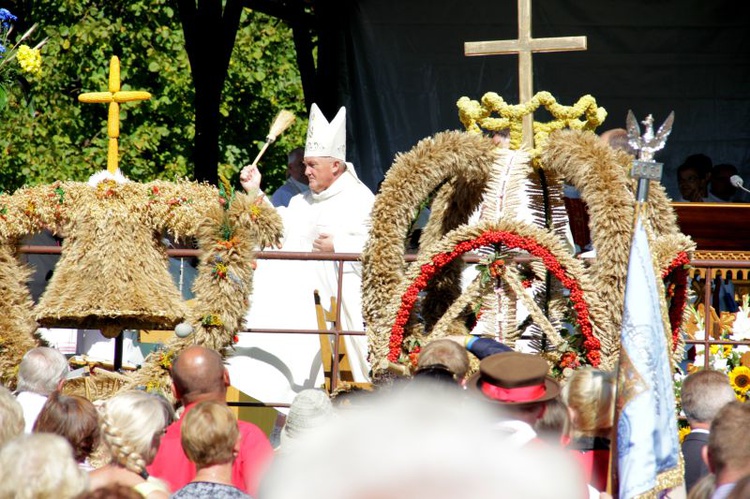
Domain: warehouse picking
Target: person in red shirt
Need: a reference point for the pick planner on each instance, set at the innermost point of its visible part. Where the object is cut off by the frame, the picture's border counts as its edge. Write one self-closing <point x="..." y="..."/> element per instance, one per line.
<point x="198" y="375"/>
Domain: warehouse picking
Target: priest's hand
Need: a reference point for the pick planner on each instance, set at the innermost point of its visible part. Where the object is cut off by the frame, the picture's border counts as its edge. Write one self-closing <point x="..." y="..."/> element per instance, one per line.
<point x="250" y="178"/>
<point x="323" y="243"/>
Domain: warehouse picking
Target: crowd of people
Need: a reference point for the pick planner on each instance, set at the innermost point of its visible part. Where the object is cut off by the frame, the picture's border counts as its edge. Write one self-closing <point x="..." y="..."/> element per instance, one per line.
<point x="440" y="433"/>
<point x="132" y="444"/>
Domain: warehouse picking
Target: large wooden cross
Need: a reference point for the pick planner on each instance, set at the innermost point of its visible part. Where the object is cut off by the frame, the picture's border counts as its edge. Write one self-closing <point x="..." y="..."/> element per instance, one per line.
<point x="524" y="46"/>
<point x="114" y="97"/>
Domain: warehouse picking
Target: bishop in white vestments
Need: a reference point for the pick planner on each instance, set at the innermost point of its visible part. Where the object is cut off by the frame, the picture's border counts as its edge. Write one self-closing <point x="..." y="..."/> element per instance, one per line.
<point x="332" y="217"/>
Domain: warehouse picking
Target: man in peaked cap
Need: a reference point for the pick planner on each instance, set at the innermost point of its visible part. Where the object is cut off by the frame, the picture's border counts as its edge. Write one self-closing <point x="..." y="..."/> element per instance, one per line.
<point x="332" y="217"/>
<point x="518" y="384"/>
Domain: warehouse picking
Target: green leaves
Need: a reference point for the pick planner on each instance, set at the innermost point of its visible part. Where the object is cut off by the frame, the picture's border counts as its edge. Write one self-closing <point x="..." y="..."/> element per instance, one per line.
<point x="66" y="140"/>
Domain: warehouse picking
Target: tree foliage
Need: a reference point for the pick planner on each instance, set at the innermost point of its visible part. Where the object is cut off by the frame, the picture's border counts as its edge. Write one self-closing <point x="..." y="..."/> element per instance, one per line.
<point x="46" y="134"/>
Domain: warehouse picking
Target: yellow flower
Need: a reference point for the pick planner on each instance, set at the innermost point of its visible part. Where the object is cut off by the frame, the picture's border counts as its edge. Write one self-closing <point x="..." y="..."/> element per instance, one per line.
<point x="255" y="211"/>
<point x="165" y="359"/>
<point x="683" y="432"/>
<point x="739" y="378"/>
<point x="29" y="59"/>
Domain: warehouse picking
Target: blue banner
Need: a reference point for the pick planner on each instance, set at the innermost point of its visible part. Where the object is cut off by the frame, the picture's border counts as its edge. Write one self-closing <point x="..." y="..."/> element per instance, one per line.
<point x="648" y="449"/>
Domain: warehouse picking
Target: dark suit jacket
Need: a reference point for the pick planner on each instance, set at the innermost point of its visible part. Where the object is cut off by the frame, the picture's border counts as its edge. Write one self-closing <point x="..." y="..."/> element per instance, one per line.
<point x="484" y="347"/>
<point x="695" y="468"/>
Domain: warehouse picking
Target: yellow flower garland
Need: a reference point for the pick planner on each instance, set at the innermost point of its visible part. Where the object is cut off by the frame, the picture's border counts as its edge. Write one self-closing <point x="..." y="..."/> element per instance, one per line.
<point x="477" y="116"/>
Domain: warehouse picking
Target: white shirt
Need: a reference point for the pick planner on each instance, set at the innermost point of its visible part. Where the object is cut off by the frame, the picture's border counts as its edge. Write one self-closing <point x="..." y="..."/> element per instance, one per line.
<point x="518" y="432"/>
<point x="722" y="491"/>
<point x="32" y="404"/>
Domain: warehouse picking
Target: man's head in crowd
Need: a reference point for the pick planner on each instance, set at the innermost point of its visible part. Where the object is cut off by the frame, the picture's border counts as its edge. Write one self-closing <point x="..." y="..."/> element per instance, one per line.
<point x="693" y="176"/>
<point x="728" y="452"/>
<point x="296" y="165"/>
<point x="703" y="394"/>
<point x="198" y="374"/>
<point x="43" y="370"/>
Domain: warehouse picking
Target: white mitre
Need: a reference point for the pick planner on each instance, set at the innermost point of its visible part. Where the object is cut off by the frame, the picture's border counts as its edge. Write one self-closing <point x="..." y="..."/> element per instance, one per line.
<point x="326" y="139"/>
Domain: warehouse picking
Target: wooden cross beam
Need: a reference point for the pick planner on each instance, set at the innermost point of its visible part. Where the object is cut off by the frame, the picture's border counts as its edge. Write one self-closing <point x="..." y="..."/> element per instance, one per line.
<point x="524" y="46"/>
<point x="114" y="97"/>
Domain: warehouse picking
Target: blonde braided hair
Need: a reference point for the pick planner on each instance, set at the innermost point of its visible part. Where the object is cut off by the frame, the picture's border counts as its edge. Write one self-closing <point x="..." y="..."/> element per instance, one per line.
<point x="132" y="423"/>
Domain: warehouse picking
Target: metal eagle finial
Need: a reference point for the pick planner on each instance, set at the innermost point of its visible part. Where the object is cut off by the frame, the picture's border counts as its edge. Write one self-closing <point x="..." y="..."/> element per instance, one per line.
<point x="648" y="143"/>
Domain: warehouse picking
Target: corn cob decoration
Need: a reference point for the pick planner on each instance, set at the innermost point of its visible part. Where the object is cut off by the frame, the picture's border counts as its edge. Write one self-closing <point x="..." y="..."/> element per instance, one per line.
<point x="113" y="97"/>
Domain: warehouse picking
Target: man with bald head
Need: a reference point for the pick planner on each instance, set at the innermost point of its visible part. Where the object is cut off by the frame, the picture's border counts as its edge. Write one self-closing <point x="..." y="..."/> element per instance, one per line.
<point x="198" y="375"/>
<point x="617" y="138"/>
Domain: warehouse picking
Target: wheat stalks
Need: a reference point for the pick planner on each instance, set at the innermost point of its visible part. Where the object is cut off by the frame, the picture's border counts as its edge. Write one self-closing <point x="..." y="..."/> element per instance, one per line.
<point x="280" y="123"/>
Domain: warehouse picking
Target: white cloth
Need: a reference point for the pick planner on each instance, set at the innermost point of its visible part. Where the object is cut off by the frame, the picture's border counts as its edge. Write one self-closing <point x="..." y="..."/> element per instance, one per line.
<point x="32" y="404"/>
<point x="63" y="339"/>
<point x="518" y="432"/>
<point x="286" y="192"/>
<point x="275" y="367"/>
<point x="97" y="347"/>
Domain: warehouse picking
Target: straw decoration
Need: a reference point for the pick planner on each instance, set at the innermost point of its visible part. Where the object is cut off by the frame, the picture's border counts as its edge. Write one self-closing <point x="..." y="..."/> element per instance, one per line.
<point x="282" y="121"/>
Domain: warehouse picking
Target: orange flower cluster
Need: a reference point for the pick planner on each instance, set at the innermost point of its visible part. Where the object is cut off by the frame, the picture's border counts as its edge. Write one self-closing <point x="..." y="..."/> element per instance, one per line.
<point x="105" y="188"/>
<point x="228" y="244"/>
<point x="496" y="269"/>
<point x="569" y="359"/>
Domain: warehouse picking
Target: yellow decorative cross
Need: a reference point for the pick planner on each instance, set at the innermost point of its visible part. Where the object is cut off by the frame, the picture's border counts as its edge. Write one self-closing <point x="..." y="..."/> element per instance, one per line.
<point x="114" y="97"/>
<point x="524" y="46"/>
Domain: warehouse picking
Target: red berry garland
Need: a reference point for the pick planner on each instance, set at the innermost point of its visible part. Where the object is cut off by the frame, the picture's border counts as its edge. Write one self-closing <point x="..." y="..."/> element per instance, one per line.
<point x="675" y="278"/>
<point x="510" y="240"/>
